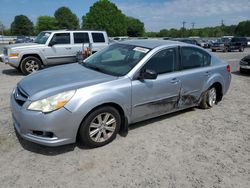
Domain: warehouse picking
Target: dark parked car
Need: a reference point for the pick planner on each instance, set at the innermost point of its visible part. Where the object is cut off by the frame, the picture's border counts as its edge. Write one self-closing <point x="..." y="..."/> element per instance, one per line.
<point x="229" y="44"/>
<point x="23" y="39"/>
<point x="245" y="64"/>
<point x="188" y="41"/>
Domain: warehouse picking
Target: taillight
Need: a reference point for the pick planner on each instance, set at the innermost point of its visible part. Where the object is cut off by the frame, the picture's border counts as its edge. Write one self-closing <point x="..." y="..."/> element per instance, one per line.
<point x="228" y="68"/>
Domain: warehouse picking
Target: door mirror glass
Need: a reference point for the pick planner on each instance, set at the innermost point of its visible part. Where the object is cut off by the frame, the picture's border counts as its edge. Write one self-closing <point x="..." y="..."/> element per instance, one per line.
<point x="52" y="42"/>
<point x="148" y="75"/>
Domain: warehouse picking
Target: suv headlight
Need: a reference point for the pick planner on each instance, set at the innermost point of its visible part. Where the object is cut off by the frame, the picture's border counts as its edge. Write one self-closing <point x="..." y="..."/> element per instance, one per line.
<point x="52" y="103"/>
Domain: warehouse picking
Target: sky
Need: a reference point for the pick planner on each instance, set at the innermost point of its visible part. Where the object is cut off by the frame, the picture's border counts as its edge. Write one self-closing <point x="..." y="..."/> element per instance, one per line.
<point x="156" y="14"/>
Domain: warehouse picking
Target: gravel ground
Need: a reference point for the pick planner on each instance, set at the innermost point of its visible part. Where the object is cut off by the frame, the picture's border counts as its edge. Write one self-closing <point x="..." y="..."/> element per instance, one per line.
<point x="192" y="148"/>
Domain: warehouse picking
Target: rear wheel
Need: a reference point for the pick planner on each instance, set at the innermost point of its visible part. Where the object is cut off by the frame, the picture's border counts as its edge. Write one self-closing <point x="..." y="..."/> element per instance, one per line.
<point x="30" y="64"/>
<point x="213" y="50"/>
<point x="209" y="98"/>
<point x="241" y="49"/>
<point x="100" y="127"/>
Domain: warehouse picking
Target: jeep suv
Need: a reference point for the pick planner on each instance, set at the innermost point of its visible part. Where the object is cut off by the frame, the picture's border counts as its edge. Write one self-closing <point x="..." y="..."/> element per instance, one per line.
<point x="229" y="44"/>
<point x="51" y="48"/>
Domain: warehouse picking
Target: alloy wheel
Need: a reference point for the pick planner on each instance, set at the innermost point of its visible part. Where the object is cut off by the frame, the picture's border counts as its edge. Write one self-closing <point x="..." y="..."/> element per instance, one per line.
<point x="102" y="127"/>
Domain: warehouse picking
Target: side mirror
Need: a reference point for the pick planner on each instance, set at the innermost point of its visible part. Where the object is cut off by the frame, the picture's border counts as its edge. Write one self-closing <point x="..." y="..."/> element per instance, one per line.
<point x="52" y="42"/>
<point x="148" y="74"/>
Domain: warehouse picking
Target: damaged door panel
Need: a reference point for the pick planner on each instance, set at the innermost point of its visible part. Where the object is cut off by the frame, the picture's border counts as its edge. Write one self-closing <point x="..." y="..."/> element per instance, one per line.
<point x="153" y="97"/>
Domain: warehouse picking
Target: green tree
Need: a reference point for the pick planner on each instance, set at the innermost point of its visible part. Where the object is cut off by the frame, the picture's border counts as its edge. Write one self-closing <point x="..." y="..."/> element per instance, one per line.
<point x="243" y="28"/>
<point x="135" y="28"/>
<point x="46" y="23"/>
<point x="66" y="19"/>
<point x="22" y="26"/>
<point x="105" y="15"/>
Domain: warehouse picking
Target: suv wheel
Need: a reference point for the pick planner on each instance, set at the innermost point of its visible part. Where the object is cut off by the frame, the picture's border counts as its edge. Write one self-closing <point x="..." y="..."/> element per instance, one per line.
<point x="100" y="127"/>
<point x="241" y="49"/>
<point x="30" y="64"/>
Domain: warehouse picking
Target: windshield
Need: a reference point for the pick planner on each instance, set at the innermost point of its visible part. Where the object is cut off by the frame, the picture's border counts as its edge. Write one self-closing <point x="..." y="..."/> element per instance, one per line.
<point x="116" y="59"/>
<point x="42" y="37"/>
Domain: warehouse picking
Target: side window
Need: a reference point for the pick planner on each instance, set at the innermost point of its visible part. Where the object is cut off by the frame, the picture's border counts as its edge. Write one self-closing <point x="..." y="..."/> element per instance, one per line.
<point x="194" y="57"/>
<point x="98" y="37"/>
<point x="163" y="62"/>
<point x="80" y="38"/>
<point x="61" y="38"/>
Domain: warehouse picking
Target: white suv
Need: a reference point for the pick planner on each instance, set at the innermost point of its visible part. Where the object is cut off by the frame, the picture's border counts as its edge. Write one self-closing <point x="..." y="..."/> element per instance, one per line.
<point x="51" y="48"/>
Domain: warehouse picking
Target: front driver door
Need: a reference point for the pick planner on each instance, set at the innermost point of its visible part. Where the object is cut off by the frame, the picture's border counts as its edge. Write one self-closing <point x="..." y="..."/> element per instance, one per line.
<point x="151" y="98"/>
<point x="61" y="51"/>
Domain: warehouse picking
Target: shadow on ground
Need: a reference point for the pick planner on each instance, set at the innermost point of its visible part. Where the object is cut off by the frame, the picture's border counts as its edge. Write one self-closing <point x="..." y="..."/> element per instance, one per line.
<point x="52" y="151"/>
<point x="12" y="72"/>
<point x="238" y="73"/>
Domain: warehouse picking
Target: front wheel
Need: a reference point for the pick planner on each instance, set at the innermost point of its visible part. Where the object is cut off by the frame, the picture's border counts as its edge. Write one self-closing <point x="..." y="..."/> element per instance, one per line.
<point x="241" y="49"/>
<point x="100" y="127"/>
<point x="209" y="98"/>
<point x="30" y="64"/>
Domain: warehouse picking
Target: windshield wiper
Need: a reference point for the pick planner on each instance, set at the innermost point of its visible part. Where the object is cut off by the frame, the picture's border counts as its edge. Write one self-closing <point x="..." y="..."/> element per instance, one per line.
<point x="98" y="69"/>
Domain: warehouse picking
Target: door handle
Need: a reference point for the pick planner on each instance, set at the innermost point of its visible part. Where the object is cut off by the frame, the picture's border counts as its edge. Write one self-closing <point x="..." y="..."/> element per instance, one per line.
<point x="175" y="81"/>
<point x="68" y="48"/>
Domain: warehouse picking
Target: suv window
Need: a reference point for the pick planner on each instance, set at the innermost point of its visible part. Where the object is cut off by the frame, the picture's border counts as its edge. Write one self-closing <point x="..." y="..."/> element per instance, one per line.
<point x="194" y="57"/>
<point x="98" y="37"/>
<point x="61" y="38"/>
<point x="163" y="62"/>
<point x="81" y="38"/>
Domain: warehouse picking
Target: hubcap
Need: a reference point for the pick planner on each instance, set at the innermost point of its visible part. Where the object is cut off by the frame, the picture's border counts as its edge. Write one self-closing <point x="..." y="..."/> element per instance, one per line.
<point x="31" y="66"/>
<point x="102" y="127"/>
<point x="211" y="97"/>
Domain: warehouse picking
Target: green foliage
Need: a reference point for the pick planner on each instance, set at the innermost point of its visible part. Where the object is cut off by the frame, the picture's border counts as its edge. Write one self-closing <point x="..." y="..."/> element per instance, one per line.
<point x="135" y="28"/>
<point x="243" y="28"/>
<point x="66" y="19"/>
<point x="22" y="26"/>
<point x="46" y="23"/>
<point x="105" y="15"/>
<point x="7" y="32"/>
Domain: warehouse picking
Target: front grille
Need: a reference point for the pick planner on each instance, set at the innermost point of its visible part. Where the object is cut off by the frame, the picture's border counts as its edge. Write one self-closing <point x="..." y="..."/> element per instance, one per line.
<point x="20" y="96"/>
<point x="5" y="51"/>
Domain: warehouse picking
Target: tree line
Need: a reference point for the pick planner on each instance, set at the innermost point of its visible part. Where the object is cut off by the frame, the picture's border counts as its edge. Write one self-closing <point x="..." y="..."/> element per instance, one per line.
<point x="105" y="15"/>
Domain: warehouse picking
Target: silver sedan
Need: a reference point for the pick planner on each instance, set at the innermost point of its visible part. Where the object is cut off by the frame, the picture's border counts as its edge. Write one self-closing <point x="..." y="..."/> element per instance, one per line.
<point x="124" y="83"/>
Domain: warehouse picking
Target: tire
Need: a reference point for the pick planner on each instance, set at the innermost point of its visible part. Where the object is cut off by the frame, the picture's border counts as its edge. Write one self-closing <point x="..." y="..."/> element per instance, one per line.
<point x="225" y="50"/>
<point x="213" y="50"/>
<point x="30" y="64"/>
<point x="209" y="98"/>
<point x="102" y="122"/>
<point x="241" y="49"/>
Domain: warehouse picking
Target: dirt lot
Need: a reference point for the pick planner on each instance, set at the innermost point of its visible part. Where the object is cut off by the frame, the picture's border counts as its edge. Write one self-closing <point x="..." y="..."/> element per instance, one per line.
<point x="192" y="148"/>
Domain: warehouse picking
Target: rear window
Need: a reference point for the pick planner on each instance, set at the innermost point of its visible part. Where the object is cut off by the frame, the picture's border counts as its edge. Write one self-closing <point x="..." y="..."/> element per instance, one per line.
<point x="81" y="38"/>
<point x="98" y="37"/>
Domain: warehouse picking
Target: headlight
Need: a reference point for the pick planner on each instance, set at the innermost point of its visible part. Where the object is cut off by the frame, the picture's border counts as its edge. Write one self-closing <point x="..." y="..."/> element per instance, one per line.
<point x="52" y="103"/>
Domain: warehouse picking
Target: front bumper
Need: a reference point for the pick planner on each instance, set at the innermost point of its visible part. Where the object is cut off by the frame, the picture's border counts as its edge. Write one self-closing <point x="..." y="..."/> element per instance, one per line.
<point x="244" y="65"/>
<point x="12" y="61"/>
<point x="217" y="47"/>
<point x="61" y="123"/>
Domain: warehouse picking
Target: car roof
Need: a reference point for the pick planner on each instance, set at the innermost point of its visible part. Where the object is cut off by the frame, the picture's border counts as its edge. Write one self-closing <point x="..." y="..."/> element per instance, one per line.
<point x="151" y="43"/>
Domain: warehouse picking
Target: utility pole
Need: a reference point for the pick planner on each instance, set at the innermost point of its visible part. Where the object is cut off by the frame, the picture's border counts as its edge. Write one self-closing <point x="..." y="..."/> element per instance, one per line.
<point x="183" y="24"/>
<point x="222" y="22"/>
<point x="193" y="23"/>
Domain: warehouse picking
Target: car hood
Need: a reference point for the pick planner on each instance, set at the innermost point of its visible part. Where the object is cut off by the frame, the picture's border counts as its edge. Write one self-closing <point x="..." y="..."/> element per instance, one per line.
<point x="24" y="45"/>
<point x="61" y="78"/>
